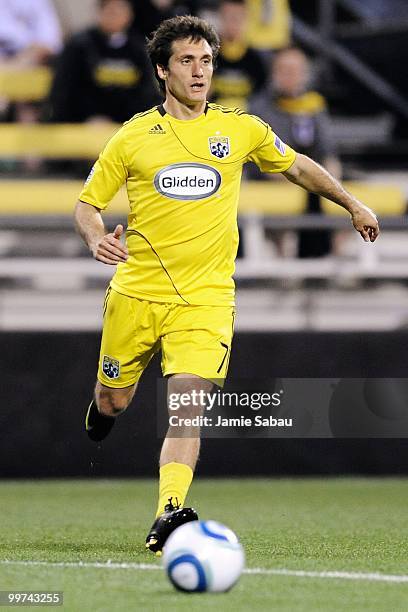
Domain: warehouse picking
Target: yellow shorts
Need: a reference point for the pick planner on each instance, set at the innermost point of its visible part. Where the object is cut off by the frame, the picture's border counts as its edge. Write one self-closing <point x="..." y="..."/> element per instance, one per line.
<point x="193" y="339"/>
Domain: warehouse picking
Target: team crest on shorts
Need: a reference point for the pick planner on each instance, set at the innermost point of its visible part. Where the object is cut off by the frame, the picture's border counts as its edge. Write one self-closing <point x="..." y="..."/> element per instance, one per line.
<point x="110" y="367"/>
<point x="219" y="146"/>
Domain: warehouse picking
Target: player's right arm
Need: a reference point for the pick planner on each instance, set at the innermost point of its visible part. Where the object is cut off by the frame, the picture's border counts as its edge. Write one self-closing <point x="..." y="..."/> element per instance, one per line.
<point x="104" y="246"/>
<point x="105" y="179"/>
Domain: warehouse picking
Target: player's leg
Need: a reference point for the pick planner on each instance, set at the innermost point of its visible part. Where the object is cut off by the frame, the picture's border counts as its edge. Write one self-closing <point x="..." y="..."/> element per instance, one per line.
<point x="178" y="459"/>
<point x="126" y="348"/>
<point x="181" y="446"/>
<point x="196" y="350"/>
<point x="107" y="404"/>
<point x="112" y="402"/>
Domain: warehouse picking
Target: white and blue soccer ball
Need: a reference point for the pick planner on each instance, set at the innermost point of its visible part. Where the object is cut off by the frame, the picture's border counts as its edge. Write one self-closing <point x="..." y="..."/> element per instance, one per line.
<point x="203" y="556"/>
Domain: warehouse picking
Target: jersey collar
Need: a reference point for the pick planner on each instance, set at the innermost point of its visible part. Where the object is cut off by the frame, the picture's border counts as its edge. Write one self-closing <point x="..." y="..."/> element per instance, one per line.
<point x="162" y="111"/>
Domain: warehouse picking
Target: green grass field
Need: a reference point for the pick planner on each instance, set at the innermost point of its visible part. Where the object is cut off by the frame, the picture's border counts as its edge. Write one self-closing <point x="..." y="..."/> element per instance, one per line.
<point x="344" y="525"/>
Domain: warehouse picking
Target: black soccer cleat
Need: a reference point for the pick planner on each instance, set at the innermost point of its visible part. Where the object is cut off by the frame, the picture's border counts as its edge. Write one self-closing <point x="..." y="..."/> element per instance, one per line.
<point x="172" y="517"/>
<point x="97" y="425"/>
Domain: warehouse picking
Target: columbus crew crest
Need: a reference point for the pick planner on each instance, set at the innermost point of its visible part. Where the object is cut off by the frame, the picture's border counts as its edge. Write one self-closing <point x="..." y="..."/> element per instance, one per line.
<point x="219" y="146"/>
<point x="110" y="367"/>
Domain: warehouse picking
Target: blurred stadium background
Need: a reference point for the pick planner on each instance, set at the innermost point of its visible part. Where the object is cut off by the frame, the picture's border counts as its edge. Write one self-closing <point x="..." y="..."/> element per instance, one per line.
<point x="338" y="313"/>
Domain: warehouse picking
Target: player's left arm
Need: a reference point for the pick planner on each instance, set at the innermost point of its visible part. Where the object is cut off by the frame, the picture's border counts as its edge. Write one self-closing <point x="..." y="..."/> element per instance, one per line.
<point x="311" y="176"/>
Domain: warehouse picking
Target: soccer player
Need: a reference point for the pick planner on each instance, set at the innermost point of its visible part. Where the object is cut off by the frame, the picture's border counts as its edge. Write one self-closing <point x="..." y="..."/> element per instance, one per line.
<point x="173" y="288"/>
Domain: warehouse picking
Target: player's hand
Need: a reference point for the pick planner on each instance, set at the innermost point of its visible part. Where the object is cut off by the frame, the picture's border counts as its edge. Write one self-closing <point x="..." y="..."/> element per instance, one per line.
<point x="365" y="222"/>
<point x="109" y="249"/>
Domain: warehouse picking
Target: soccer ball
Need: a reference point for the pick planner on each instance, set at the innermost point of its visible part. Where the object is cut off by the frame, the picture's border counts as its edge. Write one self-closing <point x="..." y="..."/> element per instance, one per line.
<point x="203" y="556"/>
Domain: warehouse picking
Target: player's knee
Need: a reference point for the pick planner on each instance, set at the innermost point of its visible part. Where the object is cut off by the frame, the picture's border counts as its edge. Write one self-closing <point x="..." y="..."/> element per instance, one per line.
<point x="189" y="386"/>
<point x="112" y="402"/>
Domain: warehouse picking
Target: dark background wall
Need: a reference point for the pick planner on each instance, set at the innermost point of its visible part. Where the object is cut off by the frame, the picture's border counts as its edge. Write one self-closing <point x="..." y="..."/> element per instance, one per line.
<point x="47" y="381"/>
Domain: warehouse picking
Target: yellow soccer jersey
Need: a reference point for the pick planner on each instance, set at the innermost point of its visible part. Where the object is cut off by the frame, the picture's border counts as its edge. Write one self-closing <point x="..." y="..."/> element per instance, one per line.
<point x="183" y="180"/>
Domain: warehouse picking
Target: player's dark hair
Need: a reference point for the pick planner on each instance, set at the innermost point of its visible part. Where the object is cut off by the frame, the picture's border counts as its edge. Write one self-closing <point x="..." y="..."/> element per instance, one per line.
<point x="159" y="47"/>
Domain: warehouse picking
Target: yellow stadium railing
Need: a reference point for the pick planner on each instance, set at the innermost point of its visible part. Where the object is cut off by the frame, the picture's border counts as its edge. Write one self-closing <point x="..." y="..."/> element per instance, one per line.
<point x="57" y="197"/>
<point x="55" y="141"/>
<point x="384" y="199"/>
<point x="25" y="84"/>
<point x="47" y="197"/>
<point x="85" y="141"/>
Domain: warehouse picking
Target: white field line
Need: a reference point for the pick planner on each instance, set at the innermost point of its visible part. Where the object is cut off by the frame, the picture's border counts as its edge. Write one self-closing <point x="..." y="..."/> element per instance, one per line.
<point x="370" y="577"/>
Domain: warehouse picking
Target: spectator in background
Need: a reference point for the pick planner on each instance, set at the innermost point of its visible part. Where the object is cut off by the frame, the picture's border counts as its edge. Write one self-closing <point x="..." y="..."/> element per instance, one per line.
<point x="269" y="24"/>
<point x="240" y="70"/>
<point x="299" y="115"/>
<point x="103" y="72"/>
<point x="30" y="35"/>
<point x="150" y="13"/>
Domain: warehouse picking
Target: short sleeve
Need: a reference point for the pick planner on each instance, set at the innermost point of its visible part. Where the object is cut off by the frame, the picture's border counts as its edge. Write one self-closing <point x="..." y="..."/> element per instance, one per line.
<point x="269" y="152"/>
<point x="108" y="174"/>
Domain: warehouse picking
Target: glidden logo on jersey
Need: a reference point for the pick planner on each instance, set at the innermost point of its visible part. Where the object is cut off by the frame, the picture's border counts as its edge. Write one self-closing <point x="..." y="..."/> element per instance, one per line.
<point x="187" y="181"/>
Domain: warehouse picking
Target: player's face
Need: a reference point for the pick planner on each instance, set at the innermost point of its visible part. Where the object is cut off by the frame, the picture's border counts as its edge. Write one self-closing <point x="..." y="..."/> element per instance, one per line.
<point x="188" y="75"/>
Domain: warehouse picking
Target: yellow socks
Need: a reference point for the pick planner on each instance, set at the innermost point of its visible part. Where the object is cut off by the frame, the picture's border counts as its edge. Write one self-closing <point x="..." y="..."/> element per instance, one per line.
<point x="175" y="480"/>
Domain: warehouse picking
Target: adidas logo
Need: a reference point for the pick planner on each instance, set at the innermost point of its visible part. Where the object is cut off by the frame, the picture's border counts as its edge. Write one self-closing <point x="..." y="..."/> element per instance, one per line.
<point x="157" y="129"/>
